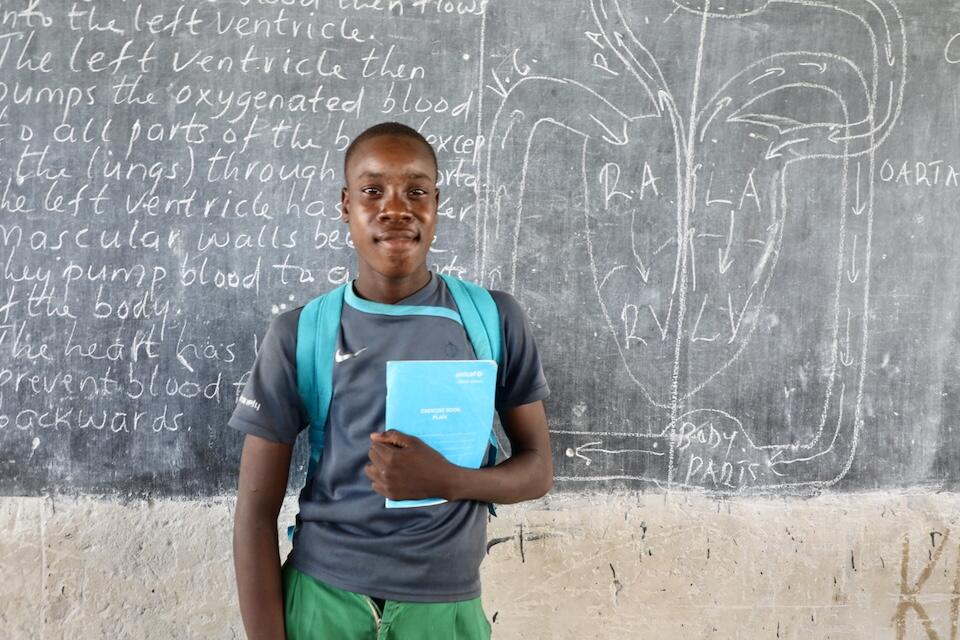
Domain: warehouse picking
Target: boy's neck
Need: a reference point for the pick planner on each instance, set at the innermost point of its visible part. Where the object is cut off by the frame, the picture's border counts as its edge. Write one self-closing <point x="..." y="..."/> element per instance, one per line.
<point x="377" y="288"/>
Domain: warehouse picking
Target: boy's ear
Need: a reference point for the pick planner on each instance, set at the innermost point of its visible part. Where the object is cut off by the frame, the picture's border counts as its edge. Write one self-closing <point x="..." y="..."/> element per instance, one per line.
<point x="344" y="204"/>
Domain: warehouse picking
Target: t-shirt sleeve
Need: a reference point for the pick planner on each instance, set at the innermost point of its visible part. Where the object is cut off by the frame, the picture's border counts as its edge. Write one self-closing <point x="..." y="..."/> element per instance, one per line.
<point x="270" y="405"/>
<point x="521" y="380"/>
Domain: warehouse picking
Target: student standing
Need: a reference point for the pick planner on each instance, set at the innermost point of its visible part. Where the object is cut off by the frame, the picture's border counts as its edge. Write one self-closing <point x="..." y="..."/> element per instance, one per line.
<point x="357" y="569"/>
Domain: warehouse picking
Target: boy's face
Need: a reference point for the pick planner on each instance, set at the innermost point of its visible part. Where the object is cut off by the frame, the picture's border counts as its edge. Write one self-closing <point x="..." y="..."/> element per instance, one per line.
<point x="390" y="202"/>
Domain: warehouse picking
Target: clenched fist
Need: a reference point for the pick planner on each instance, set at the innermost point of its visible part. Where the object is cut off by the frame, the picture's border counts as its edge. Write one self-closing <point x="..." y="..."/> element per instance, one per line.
<point x="403" y="467"/>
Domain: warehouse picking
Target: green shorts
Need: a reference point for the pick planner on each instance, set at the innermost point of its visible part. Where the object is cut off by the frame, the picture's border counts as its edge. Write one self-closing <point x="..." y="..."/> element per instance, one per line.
<point x="314" y="610"/>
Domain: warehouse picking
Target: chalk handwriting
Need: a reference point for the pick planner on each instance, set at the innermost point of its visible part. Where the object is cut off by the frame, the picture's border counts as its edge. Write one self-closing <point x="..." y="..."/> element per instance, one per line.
<point x="170" y="178"/>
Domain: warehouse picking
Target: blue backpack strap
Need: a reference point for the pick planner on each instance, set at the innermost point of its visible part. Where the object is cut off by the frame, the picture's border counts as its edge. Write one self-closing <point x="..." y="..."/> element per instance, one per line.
<point x="480" y="316"/>
<point x="317" y="332"/>
<point x="481" y="321"/>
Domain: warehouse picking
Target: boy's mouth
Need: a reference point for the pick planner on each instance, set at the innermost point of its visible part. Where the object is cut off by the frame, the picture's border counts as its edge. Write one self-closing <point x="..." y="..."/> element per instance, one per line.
<point x="397" y="239"/>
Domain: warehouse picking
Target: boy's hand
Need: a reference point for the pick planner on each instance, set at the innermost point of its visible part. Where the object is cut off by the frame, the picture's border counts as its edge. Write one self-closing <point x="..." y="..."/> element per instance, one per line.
<point x="403" y="467"/>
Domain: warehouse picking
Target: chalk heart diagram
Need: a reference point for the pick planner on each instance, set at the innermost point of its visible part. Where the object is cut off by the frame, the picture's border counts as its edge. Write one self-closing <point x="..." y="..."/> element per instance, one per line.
<point x="728" y="229"/>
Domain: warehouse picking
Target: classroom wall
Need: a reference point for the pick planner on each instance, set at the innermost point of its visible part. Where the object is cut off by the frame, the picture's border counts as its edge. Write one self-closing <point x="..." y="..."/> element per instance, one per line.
<point x="797" y="348"/>
<point x="628" y="566"/>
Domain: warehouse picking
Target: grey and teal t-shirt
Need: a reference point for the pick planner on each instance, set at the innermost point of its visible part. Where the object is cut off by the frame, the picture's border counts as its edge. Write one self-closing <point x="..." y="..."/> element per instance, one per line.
<point x="346" y="537"/>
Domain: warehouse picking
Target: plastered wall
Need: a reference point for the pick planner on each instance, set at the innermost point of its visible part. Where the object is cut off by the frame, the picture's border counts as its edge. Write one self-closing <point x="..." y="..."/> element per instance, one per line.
<point x="626" y="566"/>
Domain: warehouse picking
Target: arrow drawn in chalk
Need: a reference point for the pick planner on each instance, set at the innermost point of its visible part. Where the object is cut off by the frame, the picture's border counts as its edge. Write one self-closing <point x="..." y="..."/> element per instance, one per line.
<point x="772" y="462"/>
<point x="773" y="151"/>
<point x="846" y="359"/>
<point x="853" y="275"/>
<point x="644" y="270"/>
<point x="778" y="71"/>
<point x="499" y="89"/>
<point x="585" y="446"/>
<point x="888" y="45"/>
<point x="611" y="137"/>
<point x="858" y="208"/>
<point x="723" y="255"/>
<point x="821" y="68"/>
<point x="590" y="447"/>
<point x="721" y="104"/>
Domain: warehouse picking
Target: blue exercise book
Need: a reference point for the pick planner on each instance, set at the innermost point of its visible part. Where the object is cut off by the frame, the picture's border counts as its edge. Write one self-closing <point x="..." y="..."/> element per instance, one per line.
<point x="446" y="403"/>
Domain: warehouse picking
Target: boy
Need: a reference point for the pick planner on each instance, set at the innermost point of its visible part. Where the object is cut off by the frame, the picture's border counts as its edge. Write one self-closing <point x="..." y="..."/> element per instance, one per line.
<point x="357" y="569"/>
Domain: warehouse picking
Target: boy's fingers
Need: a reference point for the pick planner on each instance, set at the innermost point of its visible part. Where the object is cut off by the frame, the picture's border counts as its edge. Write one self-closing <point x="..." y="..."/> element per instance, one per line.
<point x="373" y="473"/>
<point x="378" y="454"/>
<point x="394" y="437"/>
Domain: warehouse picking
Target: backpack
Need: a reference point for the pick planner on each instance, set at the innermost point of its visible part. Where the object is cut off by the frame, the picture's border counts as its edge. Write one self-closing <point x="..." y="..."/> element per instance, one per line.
<point x="319" y="327"/>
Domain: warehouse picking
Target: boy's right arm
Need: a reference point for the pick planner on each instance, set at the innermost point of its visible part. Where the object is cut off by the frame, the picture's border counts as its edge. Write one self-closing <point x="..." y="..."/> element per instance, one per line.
<point x="264" y="466"/>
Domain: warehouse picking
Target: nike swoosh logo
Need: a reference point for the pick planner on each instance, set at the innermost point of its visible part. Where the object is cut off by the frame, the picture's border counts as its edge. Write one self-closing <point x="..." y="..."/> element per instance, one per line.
<point x="340" y="357"/>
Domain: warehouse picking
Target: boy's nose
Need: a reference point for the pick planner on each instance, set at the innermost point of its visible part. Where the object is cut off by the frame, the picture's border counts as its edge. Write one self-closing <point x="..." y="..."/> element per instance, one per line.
<point x="390" y="215"/>
<point x="394" y="207"/>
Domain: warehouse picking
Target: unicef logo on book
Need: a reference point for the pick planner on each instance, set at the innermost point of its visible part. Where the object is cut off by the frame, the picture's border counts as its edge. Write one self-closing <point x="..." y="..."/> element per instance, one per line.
<point x="469" y="377"/>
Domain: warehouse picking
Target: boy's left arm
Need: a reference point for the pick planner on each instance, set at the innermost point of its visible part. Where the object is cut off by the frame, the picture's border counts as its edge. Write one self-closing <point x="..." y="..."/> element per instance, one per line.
<point x="526" y="475"/>
<point x="404" y="467"/>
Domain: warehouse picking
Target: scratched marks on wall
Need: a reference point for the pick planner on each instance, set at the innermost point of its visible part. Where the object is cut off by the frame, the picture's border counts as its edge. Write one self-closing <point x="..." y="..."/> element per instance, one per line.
<point x="705" y="188"/>
<point x="920" y="605"/>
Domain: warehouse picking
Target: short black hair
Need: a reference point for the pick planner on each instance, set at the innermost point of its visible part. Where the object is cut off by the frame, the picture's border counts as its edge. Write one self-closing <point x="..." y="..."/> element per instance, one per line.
<point x="386" y="129"/>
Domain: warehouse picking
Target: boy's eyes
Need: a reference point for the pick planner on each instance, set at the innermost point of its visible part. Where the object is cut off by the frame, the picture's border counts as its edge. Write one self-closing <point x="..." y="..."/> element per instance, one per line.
<point x="375" y="191"/>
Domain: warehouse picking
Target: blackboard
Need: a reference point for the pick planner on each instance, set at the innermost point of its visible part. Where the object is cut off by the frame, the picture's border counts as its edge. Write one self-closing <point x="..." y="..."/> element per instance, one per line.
<point x="731" y="224"/>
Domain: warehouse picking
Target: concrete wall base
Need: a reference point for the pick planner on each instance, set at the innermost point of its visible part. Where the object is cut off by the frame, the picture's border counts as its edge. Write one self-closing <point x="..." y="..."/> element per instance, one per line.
<point x="671" y="566"/>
